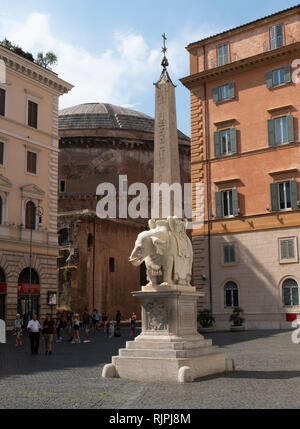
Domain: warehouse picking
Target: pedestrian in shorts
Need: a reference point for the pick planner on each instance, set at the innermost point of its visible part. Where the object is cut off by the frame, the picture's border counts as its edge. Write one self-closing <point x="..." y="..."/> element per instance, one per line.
<point x="86" y="325"/>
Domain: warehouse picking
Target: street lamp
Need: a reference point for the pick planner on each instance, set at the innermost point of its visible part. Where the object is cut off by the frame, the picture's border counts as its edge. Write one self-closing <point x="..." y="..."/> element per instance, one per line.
<point x="38" y="213"/>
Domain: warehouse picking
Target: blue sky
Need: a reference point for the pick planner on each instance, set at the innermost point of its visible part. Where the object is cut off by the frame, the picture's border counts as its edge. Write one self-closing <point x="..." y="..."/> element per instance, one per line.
<point x="110" y="50"/>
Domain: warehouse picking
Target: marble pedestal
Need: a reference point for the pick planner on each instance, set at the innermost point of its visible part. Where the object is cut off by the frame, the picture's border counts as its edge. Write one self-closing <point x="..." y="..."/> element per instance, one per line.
<point x="169" y="347"/>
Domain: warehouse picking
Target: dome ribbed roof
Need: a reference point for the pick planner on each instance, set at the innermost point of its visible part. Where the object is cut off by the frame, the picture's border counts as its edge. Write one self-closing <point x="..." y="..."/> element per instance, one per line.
<point x="104" y="115"/>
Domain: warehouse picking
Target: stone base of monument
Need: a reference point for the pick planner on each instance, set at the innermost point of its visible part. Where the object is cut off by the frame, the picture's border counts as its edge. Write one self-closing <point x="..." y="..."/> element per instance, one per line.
<point x="169" y="347"/>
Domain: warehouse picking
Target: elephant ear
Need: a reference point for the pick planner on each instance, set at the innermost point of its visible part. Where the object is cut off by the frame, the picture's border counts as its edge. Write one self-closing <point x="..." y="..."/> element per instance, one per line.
<point x="159" y="245"/>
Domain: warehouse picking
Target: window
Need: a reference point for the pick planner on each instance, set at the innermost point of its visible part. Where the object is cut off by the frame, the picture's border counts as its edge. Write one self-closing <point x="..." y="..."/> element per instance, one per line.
<point x="63" y="237"/>
<point x="225" y="142"/>
<point x="231" y="295"/>
<point x="284" y="195"/>
<point x="287" y="249"/>
<point x="227" y="203"/>
<point x="2" y="101"/>
<point x="224" y="92"/>
<point x="31" y="162"/>
<point x="111" y="265"/>
<point x="276" y="36"/>
<point x="1" y="153"/>
<point x="223" y="54"/>
<point x="278" y="77"/>
<point x="281" y="130"/>
<point x="229" y="253"/>
<point x="290" y="292"/>
<point x="30" y="211"/>
<point x="32" y="114"/>
<point x="62" y="185"/>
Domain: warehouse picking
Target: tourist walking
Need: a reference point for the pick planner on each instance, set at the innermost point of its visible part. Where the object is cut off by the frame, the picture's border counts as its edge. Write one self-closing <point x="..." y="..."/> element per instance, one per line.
<point x="86" y="325"/>
<point x="18" y="330"/>
<point x="34" y="327"/>
<point x="95" y="319"/>
<point x="76" y="325"/>
<point x="132" y="325"/>
<point x="69" y="326"/>
<point x="104" y="321"/>
<point x="59" y="327"/>
<point x="48" y="331"/>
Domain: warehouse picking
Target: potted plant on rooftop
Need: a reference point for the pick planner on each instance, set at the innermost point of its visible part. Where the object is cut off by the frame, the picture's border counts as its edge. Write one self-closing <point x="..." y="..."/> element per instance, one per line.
<point x="237" y="320"/>
<point x="206" y="321"/>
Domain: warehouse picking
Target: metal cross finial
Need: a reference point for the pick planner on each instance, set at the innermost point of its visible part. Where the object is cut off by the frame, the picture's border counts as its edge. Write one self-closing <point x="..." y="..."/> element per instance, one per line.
<point x="164" y="49"/>
<point x="164" y="62"/>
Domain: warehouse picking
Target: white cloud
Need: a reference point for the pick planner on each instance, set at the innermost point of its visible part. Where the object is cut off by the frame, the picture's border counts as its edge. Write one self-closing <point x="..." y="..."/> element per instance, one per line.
<point x="122" y="74"/>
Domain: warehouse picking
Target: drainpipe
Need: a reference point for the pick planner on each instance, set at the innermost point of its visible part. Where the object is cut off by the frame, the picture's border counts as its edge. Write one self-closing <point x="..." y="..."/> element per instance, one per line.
<point x="94" y="258"/>
<point x="208" y="182"/>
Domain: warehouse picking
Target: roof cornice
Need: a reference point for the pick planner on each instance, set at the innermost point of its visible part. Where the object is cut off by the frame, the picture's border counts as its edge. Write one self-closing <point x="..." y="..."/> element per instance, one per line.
<point x="238" y="66"/>
<point x="244" y="27"/>
<point x="27" y="68"/>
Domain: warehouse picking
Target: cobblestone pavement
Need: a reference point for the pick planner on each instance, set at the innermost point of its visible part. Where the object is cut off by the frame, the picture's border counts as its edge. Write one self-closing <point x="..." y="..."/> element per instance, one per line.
<point x="267" y="376"/>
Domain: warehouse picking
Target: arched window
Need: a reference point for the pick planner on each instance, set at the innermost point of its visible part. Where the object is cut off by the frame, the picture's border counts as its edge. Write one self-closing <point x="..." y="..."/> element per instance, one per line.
<point x="63" y="237"/>
<point x="25" y="275"/>
<point x="30" y="215"/>
<point x="290" y="292"/>
<point x="231" y="295"/>
<point x="2" y="276"/>
<point x="1" y="210"/>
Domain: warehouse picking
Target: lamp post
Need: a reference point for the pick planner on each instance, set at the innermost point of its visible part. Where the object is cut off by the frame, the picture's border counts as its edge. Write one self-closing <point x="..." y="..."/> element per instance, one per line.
<point x="38" y="213"/>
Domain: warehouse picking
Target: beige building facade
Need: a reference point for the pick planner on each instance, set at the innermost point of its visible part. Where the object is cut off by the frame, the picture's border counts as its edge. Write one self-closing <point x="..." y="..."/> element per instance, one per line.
<point x="28" y="185"/>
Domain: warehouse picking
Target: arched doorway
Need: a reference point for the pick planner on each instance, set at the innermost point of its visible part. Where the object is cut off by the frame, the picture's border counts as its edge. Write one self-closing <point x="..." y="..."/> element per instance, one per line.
<point x="3" y="290"/>
<point x="231" y="294"/>
<point x="290" y="293"/>
<point x="28" y="287"/>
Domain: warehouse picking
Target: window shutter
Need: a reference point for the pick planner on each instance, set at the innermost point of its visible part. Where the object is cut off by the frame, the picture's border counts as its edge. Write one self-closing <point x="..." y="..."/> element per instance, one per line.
<point x="233" y="140"/>
<point x="291" y="252"/>
<point x="235" y="202"/>
<point x="287" y="74"/>
<point x="226" y="254"/>
<point x="215" y="94"/>
<point x="295" y="296"/>
<point x="2" y="101"/>
<point x="217" y="142"/>
<point x="273" y="37"/>
<point x="269" y="79"/>
<point x="279" y="36"/>
<point x="228" y="300"/>
<point x="294" y="194"/>
<point x="226" y="54"/>
<point x="271" y="132"/>
<point x="235" y="297"/>
<point x="286" y="296"/>
<point x="219" y="205"/>
<point x="283" y="249"/>
<point x="290" y="126"/>
<point x="231" y="90"/>
<point x="232" y="253"/>
<point x="274" y="197"/>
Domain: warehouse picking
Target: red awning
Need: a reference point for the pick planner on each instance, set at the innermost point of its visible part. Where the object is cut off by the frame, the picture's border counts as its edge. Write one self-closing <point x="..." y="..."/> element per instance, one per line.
<point x="290" y="317"/>
<point x="23" y="289"/>
<point x="3" y="287"/>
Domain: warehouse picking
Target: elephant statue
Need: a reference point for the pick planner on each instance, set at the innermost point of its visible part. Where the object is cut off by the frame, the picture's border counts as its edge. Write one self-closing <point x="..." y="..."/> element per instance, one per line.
<point x="167" y="252"/>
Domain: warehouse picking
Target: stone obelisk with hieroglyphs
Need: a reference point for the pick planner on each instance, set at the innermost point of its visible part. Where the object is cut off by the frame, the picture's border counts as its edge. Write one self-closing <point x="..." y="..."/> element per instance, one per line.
<point x="169" y="347"/>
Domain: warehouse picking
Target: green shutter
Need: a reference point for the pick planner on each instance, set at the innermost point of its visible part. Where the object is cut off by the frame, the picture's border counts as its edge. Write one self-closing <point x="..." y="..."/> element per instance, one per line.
<point x="215" y="93"/>
<point x="274" y="197"/>
<point x="283" y="249"/>
<point x="217" y="142"/>
<point x="235" y="202"/>
<point x="219" y="205"/>
<point x="287" y="74"/>
<point x="286" y="296"/>
<point x="232" y="253"/>
<point x="273" y="37"/>
<point x="233" y="140"/>
<point x="291" y="252"/>
<point x="269" y="79"/>
<point x="226" y="254"/>
<point x="295" y="296"/>
<point x="271" y="132"/>
<point x="290" y="126"/>
<point x="294" y="194"/>
<point x="231" y="90"/>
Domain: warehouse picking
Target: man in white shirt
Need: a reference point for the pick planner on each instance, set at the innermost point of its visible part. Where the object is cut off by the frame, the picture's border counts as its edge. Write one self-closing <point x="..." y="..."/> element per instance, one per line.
<point x="34" y="334"/>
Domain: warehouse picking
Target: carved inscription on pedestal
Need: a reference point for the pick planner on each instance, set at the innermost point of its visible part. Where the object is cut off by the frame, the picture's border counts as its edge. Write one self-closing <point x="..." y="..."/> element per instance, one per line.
<point x="156" y="316"/>
<point x="187" y="315"/>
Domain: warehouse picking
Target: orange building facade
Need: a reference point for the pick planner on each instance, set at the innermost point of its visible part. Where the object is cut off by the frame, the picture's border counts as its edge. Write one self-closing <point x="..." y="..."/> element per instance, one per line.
<point x="245" y="150"/>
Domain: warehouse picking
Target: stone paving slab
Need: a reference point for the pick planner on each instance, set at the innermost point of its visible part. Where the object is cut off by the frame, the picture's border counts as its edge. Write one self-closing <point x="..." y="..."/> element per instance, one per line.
<point x="267" y="376"/>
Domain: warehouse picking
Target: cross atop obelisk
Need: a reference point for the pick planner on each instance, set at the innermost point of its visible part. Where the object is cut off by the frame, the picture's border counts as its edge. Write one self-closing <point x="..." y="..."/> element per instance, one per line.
<point x="166" y="151"/>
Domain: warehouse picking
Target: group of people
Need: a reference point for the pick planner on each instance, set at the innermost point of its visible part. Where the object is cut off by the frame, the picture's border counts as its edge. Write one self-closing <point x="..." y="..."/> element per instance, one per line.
<point x="71" y="322"/>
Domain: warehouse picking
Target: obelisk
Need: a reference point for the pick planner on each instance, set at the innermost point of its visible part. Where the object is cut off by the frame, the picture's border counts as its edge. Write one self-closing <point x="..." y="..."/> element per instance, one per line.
<point x="169" y="347"/>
